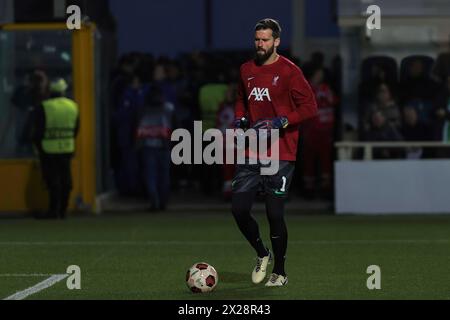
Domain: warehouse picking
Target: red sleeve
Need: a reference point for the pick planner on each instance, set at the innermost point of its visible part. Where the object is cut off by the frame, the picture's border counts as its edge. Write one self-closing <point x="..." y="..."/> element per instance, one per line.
<point x="303" y="98"/>
<point x="240" y="109"/>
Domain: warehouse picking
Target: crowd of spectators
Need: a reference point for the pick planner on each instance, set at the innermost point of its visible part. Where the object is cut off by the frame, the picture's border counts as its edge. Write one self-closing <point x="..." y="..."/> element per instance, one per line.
<point x="411" y="106"/>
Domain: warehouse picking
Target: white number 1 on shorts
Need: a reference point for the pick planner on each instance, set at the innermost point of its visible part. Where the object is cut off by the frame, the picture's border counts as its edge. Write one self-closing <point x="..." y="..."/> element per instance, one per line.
<point x="283" y="188"/>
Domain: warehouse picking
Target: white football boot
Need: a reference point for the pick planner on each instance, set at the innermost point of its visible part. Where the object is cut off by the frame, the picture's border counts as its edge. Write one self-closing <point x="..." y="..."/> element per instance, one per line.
<point x="277" y="280"/>
<point x="259" y="273"/>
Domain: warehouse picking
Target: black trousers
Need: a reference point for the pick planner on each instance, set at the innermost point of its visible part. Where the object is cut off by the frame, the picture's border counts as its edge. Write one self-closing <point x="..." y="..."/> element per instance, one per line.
<point x="58" y="178"/>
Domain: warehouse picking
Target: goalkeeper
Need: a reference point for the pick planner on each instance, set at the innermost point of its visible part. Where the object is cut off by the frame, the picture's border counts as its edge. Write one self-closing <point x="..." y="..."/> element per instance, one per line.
<point x="273" y="94"/>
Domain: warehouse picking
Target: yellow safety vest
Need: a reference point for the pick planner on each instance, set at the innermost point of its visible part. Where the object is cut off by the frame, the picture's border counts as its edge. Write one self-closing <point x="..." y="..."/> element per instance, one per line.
<point x="60" y="121"/>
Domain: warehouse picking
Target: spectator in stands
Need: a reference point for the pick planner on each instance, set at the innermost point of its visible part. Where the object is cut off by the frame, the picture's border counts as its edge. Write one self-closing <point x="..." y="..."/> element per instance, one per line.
<point x="418" y="90"/>
<point x="153" y="135"/>
<point x="161" y="79"/>
<point x="368" y="88"/>
<point x="26" y="98"/>
<point x="318" y="136"/>
<point x="384" y="103"/>
<point x="336" y="74"/>
<point x="413" y="130"/>
<point x="127" y="169"/>
<point x="146" y="64"/>
<point x="122" y="78"/>
<point x="317" y="61"/>
<point x="383" y="131"/>
<point x="168" y="75"/>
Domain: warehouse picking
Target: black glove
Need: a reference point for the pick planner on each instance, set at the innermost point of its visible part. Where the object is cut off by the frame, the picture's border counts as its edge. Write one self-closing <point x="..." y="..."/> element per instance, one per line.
<point x="268" y="124"/>
<point x="241" y="123"/>
<point x="280" y="123"/>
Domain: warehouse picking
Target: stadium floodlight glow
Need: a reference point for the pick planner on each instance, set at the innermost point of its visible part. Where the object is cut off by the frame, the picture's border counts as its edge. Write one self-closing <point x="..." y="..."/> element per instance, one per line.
<point x="239" y="147"/>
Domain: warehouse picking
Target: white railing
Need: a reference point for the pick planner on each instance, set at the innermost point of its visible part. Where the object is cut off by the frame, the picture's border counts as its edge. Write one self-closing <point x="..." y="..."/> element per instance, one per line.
<point x="345" y="148"/>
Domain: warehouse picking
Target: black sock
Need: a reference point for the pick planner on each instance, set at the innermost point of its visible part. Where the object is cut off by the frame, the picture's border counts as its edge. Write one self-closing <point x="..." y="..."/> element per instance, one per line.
<point x="278" y="232"/>
<point x="261" y="250"/>
<point x="241" y="206"/>
<point x="279" y="249"/>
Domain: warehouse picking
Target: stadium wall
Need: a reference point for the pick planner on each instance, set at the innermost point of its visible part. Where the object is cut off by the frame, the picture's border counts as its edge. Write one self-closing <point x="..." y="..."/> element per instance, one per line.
<point x="171" y="27"/>
<point x="392" y="186"/>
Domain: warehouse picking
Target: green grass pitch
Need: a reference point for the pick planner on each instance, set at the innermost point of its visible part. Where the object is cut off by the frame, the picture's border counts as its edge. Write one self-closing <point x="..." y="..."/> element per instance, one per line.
<point x="146" y="256"/>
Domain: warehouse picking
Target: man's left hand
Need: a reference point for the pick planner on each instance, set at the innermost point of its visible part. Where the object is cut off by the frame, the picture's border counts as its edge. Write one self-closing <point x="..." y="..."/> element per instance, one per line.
<point x="280" y="123"/>
<point x="275" y="123"/>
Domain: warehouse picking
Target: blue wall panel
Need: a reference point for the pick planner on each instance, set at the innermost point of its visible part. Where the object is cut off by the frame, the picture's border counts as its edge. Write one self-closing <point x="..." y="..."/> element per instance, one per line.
<point x="320" y="19"/>
<point x="234" y="20"/>
<point x="159" y="26"/>
<point x="173" y="26"/>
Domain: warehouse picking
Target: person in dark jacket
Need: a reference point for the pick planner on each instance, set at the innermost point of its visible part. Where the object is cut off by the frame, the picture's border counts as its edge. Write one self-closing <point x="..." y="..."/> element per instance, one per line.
<point x="153" y="137"/>
<point x="383" y="131"/>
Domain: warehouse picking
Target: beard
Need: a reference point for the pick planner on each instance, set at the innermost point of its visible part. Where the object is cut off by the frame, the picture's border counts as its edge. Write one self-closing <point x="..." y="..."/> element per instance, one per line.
<point x="262" y="56"/>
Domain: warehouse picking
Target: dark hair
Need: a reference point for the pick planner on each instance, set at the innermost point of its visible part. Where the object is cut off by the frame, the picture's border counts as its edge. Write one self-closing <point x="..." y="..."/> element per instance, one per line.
<point x="269" y="24"/>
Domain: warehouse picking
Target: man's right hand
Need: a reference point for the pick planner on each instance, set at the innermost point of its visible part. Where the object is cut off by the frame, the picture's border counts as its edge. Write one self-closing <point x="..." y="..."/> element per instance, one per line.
<point x="241" y="123"/>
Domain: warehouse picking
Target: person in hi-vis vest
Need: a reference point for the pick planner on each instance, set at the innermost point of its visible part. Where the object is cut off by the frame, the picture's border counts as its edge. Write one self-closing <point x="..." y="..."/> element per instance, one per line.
<point x="56" y="123"/>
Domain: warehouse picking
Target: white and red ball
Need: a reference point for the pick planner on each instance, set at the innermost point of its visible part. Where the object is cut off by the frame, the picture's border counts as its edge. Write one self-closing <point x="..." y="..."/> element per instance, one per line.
<point x="202" y="277"/>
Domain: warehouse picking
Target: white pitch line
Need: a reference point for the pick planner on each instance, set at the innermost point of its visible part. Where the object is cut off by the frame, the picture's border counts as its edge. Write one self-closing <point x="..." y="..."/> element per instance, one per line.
<point x="231" y="242"/>
<point x="39" y="287"/>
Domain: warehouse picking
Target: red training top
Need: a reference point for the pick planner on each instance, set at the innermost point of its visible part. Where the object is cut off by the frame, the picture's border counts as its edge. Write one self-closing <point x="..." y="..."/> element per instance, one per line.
<point x="275" y="90"/>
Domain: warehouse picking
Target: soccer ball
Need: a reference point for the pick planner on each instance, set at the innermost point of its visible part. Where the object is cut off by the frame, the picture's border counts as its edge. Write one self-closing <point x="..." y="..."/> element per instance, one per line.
<point x="201" y="278"/>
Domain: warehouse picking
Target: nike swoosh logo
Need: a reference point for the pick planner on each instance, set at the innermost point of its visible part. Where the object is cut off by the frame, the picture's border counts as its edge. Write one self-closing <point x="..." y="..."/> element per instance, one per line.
<point x="251" y="78"/>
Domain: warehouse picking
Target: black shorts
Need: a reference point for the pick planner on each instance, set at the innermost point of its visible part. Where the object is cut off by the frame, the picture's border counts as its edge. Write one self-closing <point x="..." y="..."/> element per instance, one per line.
<point x="248" y="178"/>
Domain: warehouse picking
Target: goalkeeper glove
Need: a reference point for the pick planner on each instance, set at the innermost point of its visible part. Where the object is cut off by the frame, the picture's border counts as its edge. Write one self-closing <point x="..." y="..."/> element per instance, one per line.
<point x="270" y="124"/>
<point x="241" y="123"/>
<point x="275" y="123"/>
<point x="280" y="123"/>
